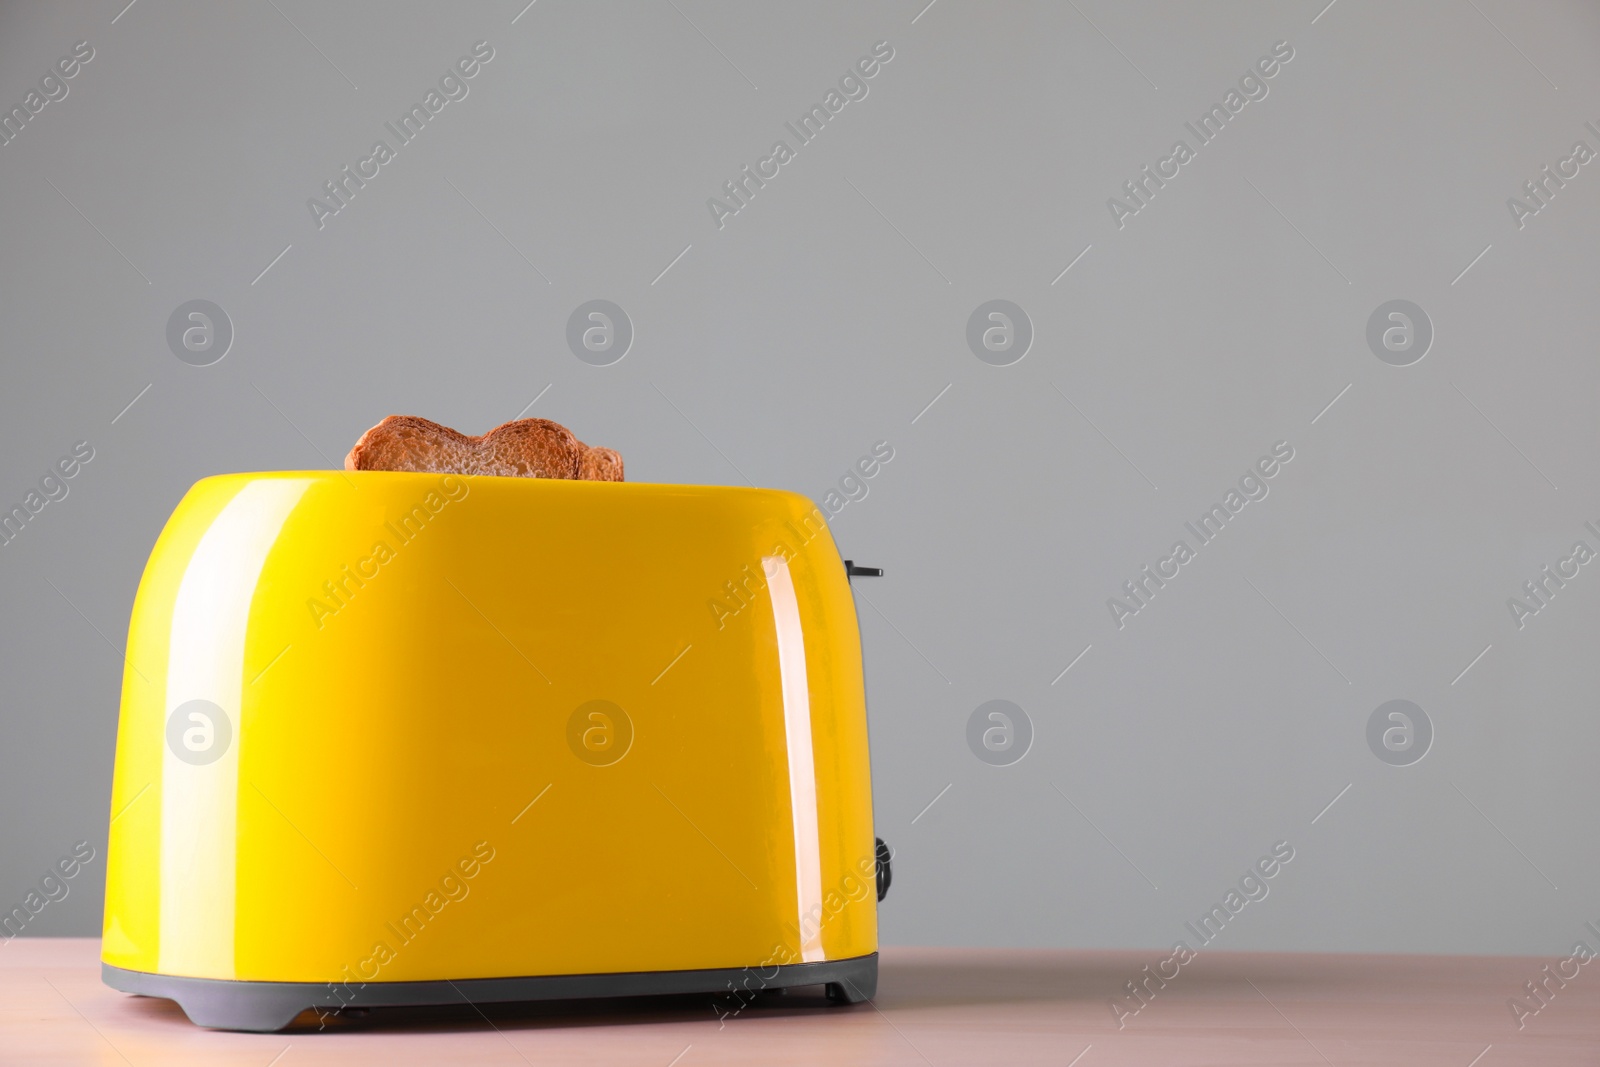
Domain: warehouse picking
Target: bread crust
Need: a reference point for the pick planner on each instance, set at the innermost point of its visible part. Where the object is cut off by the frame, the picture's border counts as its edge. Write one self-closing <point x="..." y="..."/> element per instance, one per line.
<point x="522" y="448"/>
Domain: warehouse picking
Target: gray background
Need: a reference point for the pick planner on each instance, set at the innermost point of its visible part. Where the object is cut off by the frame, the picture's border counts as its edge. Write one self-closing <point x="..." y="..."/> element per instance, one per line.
<point x="1222" y="318"/>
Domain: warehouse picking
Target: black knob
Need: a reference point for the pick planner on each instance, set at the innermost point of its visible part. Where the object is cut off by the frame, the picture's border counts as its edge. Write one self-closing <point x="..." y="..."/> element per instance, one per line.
<point x="885" y="872"/>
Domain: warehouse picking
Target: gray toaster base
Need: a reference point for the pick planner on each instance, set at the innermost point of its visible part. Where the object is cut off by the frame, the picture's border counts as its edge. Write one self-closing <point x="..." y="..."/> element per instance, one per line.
<point x="266" y="1006"/>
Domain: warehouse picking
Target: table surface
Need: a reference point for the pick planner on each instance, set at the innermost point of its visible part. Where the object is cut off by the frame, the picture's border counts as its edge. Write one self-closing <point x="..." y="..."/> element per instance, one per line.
<point x="934" y="1007"/>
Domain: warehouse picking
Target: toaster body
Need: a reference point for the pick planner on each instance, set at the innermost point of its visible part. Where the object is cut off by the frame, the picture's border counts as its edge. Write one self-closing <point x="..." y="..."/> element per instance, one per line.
<point x="393" y="738"/>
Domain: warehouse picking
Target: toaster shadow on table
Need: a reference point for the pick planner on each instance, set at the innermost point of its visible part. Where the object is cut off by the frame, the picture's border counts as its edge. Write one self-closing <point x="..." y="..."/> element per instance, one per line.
<point x="397" y="740"/>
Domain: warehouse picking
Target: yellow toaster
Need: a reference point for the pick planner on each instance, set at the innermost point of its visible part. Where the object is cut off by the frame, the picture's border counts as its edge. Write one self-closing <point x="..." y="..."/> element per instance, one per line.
<point x="396" y="739"/>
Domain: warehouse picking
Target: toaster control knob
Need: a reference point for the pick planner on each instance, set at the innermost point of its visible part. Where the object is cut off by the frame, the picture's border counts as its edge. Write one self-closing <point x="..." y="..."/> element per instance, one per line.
<point x="885" y="871"/>
<point x="853" y="571"/>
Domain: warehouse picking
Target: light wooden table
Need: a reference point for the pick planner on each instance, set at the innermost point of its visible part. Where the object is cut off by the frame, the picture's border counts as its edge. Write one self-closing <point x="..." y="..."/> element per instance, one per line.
<point x="934" y="1007"/>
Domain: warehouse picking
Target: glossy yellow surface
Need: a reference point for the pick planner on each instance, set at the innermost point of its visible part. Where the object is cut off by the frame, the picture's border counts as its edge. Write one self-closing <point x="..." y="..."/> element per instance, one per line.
<point x="404" y="786"/>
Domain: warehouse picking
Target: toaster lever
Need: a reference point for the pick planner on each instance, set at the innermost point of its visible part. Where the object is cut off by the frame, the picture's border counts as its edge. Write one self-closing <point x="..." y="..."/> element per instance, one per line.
<point x="852" y="571"/>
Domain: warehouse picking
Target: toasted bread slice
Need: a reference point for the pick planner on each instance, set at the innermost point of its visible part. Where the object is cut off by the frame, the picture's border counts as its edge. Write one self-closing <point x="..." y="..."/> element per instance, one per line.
<point x="522" y="448"/>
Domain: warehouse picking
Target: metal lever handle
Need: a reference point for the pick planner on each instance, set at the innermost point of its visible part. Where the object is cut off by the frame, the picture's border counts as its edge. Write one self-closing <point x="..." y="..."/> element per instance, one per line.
<point x="852" y="571"/>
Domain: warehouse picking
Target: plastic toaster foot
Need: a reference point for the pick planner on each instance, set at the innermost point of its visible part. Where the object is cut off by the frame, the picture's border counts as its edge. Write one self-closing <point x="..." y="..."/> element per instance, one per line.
<point x="267" y="1006"/>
